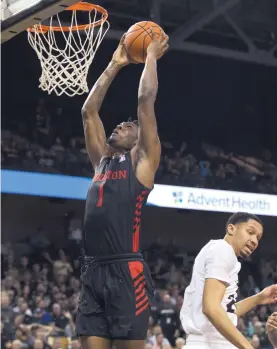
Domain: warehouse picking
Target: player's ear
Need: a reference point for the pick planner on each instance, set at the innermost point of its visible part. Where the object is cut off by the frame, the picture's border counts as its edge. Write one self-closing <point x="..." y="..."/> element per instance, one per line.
<point x="230" y="229"/>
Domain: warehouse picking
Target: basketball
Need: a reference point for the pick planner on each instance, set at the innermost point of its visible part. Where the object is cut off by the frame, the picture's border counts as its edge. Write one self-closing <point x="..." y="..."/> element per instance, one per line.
<point x="138" y="38"/>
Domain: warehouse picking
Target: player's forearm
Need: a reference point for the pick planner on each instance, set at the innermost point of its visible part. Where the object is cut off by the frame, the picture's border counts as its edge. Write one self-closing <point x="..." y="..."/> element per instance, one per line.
<point x="218" y="317"/>
<point x="148" y="86"/>
<point x="246" y="305"/>
<point x="100" y="88"/>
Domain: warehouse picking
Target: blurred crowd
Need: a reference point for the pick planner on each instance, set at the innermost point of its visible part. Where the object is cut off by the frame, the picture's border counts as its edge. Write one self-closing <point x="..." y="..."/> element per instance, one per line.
<point x="49" y="141"/>
<point x="40" y="291"/>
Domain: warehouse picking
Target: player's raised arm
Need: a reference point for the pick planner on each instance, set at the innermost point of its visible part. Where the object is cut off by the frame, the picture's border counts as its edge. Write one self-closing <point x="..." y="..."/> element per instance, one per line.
<point x="214" y="291"/>
<point x="93" y="128"/>
<point x="148" y="140"/>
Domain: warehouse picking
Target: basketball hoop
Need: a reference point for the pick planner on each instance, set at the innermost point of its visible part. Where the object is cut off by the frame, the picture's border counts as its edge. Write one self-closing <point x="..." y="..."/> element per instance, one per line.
<point x="65" y="70"/>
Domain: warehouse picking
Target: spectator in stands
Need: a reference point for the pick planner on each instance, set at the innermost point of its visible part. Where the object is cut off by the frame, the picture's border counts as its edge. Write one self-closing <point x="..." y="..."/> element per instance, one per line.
<point x="259" y="331"/>
<point x="168" y="319"/>
<point x="7" y="314"/>
<point x="41" y="314"/>
<point x="159" y="343"/>
<point x="62" y="268"/>
<point x="242" y="327"/>
<point x="75" y="344"/>
<point x="255" y="341"/>
<point x="7" y="318"/>
<point x="57" y="343"/>
<point x="16" y="344"/>
<point x="38" y="344"/>
<point x="24" y="265"/>
<point x="25" y="315"/>
<point x="157" y="332"/>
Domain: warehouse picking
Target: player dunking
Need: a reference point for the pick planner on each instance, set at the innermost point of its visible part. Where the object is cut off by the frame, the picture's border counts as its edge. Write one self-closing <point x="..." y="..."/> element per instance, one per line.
<point x="210" y="311"/>
<point x="116" y="283"/>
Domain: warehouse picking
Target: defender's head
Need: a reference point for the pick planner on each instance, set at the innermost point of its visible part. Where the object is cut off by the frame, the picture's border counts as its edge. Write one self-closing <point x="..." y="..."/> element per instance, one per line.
<point x="243" y="232"/>
<point x="124" y="137"/>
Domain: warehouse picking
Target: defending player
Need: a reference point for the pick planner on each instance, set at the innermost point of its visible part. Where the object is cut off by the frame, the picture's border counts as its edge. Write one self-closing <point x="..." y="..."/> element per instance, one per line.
<point x="271" y="327"/>
<point x="210" y="311"/>
<point x="116" y="283"/>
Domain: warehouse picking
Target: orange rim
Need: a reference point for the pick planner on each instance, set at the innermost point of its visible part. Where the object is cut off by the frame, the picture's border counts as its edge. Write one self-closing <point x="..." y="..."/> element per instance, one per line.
<point x="80" y="6"/>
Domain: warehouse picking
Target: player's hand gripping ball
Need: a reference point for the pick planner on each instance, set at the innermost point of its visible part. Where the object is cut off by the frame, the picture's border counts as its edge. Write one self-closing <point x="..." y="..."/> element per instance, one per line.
<point x="140" y="36"/>
<point x="120" y="56"/>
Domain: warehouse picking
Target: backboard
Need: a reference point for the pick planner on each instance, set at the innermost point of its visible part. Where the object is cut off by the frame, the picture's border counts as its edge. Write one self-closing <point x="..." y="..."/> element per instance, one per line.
<point x="18" y="15"/>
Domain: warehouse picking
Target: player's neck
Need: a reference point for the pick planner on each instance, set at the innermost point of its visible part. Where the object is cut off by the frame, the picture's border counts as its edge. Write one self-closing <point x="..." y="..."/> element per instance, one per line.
<point x="112" y="152"/>
<point x="230" y="240"/>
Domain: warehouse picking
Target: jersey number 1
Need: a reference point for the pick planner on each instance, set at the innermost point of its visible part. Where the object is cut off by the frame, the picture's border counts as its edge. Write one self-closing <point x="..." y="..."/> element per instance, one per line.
<point x="100" y="198"/>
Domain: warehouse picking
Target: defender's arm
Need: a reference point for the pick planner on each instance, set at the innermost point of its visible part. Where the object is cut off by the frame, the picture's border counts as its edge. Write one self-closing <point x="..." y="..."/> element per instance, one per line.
<point x="267" y="296"/>
<point x="211" y="303"/>
<point x="245" y="305"/>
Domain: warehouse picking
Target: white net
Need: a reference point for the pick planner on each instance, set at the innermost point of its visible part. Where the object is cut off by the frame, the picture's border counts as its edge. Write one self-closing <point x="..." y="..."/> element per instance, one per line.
<point x="65" y="61"/>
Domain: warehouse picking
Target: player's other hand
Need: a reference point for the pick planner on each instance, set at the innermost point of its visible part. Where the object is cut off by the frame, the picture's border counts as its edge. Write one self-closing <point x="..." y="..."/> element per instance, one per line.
<point x="271" y="327"/>
<point x="271" y="324"/>
<point x="268" y="295"/>
<point x="158" y="46"/>
<point x="120" y="56"/>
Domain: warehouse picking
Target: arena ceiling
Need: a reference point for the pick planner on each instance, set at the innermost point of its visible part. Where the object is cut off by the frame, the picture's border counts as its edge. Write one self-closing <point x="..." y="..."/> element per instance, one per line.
<point x="244" y="30"/>
<point x="239" y="29"/>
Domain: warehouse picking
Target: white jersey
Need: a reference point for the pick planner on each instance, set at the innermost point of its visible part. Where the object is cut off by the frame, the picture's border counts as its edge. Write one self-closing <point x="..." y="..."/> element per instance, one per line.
<point x="216" y="260"/>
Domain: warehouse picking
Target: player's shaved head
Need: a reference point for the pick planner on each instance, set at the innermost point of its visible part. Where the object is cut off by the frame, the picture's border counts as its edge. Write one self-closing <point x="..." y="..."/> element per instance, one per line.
<point x="242" y="217"/>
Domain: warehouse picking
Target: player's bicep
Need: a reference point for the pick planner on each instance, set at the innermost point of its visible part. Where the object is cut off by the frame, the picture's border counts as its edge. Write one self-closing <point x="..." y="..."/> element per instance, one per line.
<point x="95" y="137"/>
<point x="213" y="294"/>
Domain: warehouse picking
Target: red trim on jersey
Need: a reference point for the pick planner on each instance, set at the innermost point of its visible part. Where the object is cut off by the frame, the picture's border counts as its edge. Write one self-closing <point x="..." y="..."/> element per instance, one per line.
<point x="141" y="302"/>
<point x="142" y="309"/>
<point x="141" y="296"/>
<point x="136" y="239"/>
<point x="140" y="288"/>
<point x="136" y="269"/>
<point x="139" y="280"/>
<point x="100" y="198"/>
<point x="137" y="275"/>
<point x="136" y="224"/>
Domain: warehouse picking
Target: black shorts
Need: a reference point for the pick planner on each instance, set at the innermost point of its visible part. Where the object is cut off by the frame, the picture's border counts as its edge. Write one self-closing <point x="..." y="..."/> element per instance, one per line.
<point x="115" y="298"/>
